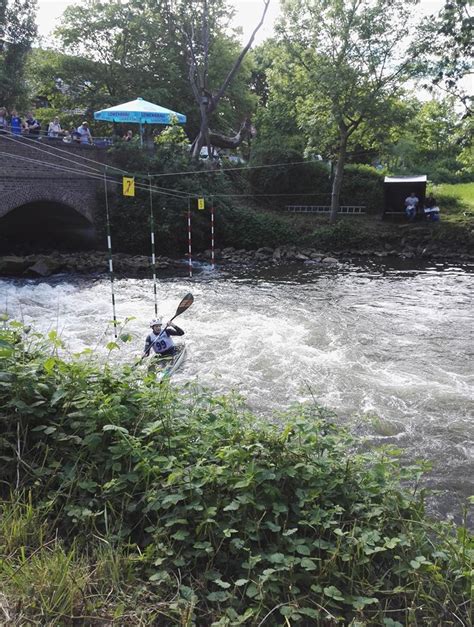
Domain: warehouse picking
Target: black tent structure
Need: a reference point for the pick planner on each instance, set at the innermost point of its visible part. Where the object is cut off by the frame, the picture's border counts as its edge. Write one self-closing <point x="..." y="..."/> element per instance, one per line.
<point x="397" y="188"/>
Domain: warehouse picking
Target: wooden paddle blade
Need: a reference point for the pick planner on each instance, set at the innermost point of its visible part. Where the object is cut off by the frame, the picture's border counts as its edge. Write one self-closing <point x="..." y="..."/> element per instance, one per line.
<point x="185" y="304"/>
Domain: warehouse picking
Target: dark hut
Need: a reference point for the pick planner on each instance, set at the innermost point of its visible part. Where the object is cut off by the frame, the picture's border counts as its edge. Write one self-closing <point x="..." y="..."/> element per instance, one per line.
<point x="397" y="188"/>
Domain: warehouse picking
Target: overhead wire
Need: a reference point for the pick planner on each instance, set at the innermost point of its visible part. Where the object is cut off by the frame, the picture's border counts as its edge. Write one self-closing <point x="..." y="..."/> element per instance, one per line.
<point x="33" y="143"/>
<point x="156" y="189"/>
<point x="78" y="163"/>
<point x="96" y="176"/>
<point x="241" y="169"/>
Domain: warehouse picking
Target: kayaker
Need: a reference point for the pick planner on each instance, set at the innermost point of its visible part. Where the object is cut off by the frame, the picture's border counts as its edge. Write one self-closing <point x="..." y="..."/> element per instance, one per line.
<point x="160" y="340"/>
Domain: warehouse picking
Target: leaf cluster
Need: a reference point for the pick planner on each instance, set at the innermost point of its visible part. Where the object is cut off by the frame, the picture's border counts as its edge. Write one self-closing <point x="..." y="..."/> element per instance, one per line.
<point x="229" y="518"/>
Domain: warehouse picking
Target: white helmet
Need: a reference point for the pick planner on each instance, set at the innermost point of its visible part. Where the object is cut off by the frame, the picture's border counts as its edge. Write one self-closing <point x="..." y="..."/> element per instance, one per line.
<point x="156" y="321"/>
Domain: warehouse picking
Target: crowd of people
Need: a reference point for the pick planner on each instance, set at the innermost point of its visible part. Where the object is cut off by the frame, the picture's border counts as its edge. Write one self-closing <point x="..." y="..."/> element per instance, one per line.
<point x="15" y="124"/>
<point x="12" y="122"/>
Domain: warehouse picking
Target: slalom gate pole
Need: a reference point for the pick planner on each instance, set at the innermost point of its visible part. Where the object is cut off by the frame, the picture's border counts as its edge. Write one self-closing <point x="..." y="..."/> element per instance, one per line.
<point x="213" y="253"/>
<point x="190" y="257"/>
<point x="109" y="246"/>
<point x="153" y="257"/>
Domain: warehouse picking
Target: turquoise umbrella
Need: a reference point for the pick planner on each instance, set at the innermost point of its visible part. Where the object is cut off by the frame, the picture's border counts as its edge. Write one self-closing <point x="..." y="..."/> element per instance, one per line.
<point x="139" y="111"/>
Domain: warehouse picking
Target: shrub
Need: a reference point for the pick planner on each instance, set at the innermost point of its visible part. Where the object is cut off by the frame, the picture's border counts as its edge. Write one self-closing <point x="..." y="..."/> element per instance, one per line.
<point x="343" y="235"/>
<point x="363" y="184"/>
<point x="292" y="180"/>
<point x="228" y="518"/>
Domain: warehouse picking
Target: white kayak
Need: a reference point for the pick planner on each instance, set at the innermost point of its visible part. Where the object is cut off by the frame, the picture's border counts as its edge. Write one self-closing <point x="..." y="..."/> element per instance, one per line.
<point x="166" y="366"/>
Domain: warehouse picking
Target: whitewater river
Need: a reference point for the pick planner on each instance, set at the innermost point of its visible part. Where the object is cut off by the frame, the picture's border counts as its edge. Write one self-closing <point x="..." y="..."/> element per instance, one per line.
<point x="388" y="347"/>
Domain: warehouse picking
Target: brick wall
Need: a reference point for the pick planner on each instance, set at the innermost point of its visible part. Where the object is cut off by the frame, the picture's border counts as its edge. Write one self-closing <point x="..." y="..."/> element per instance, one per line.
<point x="23" y="181"/>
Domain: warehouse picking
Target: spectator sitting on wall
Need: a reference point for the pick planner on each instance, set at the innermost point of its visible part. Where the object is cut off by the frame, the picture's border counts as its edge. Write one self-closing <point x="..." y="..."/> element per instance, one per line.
<point x="76" y="137"/>
<point x="411" y="204"/>
<point x="32" y="126"/>
<point x="84" y="133"/>
<point x="3" y="120"/>
<point x="16" y="123"/>
<point x="54" y="128"/>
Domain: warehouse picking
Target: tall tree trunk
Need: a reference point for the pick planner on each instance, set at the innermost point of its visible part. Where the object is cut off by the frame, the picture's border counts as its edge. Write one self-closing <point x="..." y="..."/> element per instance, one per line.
<point x="202" y="138"/>
<point x="198" y="77"/>
<point x="338" y="173"/>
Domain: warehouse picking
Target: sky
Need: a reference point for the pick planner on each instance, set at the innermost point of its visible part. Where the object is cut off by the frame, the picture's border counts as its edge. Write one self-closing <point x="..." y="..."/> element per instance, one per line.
<point x="247" y="15"/>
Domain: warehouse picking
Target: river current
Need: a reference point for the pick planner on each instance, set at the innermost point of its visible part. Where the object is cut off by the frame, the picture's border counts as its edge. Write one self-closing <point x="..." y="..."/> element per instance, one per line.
<point x="389" y="347"/>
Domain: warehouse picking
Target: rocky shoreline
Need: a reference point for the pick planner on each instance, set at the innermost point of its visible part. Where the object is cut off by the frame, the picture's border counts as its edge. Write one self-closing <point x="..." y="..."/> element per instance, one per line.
<point x="96" y="262"/>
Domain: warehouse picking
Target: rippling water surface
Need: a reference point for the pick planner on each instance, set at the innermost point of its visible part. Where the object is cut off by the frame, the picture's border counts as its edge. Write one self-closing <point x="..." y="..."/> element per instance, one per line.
<point x="390" y="348"/>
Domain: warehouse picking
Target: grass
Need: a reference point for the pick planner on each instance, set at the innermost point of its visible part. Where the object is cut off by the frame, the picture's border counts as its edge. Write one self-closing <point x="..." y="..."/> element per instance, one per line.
<point x="463" y="192"/>
<point x="456" y="203"/>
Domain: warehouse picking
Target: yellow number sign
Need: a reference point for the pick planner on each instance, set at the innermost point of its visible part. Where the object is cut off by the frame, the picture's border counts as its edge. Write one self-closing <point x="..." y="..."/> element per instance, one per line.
<point x="201" y="203"/>
<point x="128" y="186"/>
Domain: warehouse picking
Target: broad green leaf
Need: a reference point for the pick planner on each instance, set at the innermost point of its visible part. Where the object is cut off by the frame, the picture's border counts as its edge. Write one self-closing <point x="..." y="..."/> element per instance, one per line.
<point x="333" y="593"/>
<point x="115" y="428"/>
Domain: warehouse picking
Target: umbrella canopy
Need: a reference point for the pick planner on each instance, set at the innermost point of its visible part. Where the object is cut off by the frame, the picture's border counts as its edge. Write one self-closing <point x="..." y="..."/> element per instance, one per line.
<point x="139" y="111"/>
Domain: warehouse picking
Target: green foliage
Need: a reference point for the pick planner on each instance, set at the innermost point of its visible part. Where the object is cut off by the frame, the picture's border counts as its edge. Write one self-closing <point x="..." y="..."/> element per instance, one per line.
<point x="173" y="136"/>
<point x="344" y="235"/>
<point x="221" y="516"/>
<point x="17" y="32"/>
<point x="363" y="184"/>
<point x="293" y="182"/>
<point x="250" y="229"/>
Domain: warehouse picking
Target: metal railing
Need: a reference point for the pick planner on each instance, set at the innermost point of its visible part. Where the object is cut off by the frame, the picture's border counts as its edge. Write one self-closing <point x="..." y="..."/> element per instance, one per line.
<point x="349" y="209"/>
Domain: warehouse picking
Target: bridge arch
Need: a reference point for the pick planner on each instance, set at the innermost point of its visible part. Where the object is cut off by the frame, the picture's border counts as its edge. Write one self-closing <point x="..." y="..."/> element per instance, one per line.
<point x="46" y="221"/>
<point x="25" y="195"/>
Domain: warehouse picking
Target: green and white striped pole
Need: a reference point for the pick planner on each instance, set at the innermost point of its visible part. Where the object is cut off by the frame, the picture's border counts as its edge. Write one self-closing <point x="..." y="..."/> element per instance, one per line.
<point x="109" y="246"/>
<point x="152" y="237"/>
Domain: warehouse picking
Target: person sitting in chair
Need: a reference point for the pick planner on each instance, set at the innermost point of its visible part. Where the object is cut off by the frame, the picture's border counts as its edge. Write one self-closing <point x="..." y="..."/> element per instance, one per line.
<point x="431" y="210"/>
<point x="411" y="205"/>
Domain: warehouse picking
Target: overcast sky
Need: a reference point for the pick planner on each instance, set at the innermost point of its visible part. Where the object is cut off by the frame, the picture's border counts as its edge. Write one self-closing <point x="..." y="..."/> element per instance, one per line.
<point x="247" y="15"/>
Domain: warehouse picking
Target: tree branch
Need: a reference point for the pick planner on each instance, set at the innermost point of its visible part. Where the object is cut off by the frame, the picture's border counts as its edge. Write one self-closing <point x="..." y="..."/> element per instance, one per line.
<point x="238" y="61"/>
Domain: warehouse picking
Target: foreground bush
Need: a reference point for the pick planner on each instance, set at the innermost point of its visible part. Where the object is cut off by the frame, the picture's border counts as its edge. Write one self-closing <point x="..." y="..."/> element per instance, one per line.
<point x="122" y="494"/>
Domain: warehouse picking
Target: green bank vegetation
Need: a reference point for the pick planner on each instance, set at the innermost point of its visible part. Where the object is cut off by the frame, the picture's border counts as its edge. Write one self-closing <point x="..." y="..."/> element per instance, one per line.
<point x="249" y="216"/>
<point x="141" y="504"/>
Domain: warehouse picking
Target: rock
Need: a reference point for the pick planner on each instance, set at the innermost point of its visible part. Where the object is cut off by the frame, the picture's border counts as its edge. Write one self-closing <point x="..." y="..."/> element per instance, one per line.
<point x="13" y="265"/>
<point x="301" y="257"/>
<point x="45" y="267"/>
<point x="329" y="260"/>
<point x="277" y="254"/>
<point x="265" y="251"/>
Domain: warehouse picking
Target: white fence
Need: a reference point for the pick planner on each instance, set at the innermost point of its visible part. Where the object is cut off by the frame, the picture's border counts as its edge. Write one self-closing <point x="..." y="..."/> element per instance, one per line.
<point x="349" y="209"/>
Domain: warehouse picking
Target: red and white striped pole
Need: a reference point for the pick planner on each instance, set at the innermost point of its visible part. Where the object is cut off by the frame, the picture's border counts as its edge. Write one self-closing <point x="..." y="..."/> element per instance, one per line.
<point x="213" y="254"/>
<point x="190" y="257"/>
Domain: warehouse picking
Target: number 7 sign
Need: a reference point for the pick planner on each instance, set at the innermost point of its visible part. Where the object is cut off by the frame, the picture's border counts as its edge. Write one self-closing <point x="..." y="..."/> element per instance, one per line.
<point x="128" y="186"/>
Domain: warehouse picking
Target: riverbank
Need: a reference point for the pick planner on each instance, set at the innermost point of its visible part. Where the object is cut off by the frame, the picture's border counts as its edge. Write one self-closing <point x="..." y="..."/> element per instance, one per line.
<point x="164" y="505"/>
<point x="97" y="262"/>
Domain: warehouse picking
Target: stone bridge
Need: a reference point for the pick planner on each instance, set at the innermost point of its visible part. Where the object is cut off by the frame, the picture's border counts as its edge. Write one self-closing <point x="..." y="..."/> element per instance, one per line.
<point x="46" y="187"/>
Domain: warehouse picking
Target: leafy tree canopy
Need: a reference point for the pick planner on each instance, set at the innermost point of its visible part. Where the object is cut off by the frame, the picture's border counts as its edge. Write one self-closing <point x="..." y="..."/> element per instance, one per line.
<point x="17" y="32"/>
<point x="139" y="49"/>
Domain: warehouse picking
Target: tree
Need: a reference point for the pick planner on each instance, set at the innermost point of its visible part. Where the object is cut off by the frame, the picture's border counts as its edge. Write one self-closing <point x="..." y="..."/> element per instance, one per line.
<point x="355" y="58"/>
<point x="448" y="57"/>
<point x="17" y="32"/>
<point x="434" y="142"/>
<point x="117" y="51"/>
<point x="199" y="40"/>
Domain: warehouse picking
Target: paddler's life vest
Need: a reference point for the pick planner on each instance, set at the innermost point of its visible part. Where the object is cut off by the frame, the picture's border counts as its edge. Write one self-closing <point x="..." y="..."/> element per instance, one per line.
<point x="160" y="343"/>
